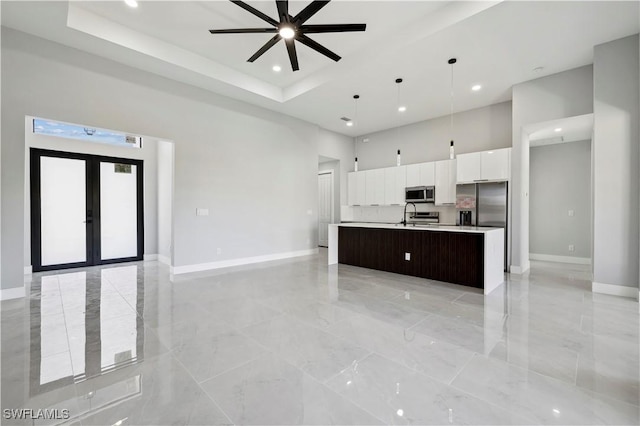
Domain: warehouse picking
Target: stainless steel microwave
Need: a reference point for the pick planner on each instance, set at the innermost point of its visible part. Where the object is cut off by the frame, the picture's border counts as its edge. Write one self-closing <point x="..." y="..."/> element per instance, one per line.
<point x="420" y="194"/>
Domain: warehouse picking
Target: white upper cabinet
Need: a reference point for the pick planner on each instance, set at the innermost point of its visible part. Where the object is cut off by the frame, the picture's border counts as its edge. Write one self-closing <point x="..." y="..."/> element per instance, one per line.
<point x="428" y="174"/>
<point x="413" y="174"/>
<point x="495" y="164"/>
<point x="351" y="188"/>
<point x="395" y="181"/>
<point x="374" y="194"/>
<point x="421" y="174"/>
<point x="468" y="167"/>
<point x="445" y="182"/>
<point x="484" y="166"/>
<point x="356" y="182"/>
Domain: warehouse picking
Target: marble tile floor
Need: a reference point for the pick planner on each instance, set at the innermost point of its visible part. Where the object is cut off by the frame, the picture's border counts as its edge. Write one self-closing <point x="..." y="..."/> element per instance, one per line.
<point x="298" y="342"/>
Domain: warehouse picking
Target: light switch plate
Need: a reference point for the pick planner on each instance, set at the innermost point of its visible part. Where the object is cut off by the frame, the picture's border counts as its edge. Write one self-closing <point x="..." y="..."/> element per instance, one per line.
<point x="407" y="256"/>
<point x="202" y="212"/>
<point x="571" y="213"/>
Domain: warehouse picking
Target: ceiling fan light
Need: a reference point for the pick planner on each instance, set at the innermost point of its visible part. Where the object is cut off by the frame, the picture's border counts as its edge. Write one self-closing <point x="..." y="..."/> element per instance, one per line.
<point x="286" y="32"/>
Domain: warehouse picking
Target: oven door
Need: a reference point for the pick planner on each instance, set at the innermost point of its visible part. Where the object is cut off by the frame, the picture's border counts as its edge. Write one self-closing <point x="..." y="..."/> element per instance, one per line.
<point x="415" y="195"/>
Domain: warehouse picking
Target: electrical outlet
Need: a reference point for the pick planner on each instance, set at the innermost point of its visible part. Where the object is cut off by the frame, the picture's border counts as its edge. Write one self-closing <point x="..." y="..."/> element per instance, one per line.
<point x="202" y="212"/>
<point x="572" y="247"/>
<point x="407" y="256"/>
<point x="571" y="213"/>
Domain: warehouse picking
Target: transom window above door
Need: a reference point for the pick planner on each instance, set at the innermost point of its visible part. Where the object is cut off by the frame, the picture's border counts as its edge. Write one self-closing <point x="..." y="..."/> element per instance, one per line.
<point x="85" y="133"/>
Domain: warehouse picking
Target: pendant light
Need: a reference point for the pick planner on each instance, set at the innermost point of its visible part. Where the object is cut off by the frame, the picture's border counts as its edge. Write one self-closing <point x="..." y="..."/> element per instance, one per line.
<point x="401" y="108"/>
<point x="355" y="122"/>
<point x="451" y="62"/>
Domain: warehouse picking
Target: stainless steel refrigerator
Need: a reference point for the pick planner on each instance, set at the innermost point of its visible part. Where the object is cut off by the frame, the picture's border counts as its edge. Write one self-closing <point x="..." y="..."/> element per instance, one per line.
<point x="490" y="206"/>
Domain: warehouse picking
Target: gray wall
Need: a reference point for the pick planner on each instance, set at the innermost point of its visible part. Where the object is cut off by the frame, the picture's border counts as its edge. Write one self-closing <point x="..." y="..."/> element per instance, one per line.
<point x="165" y="201"/>
<point x="560" y="181"/>
<point x="562" y="95"/>
<point x="340" y="148"/>
<point x="335" y="167"/>
<point x="616" y="161"/>
<point x="474" y="130"/>
<point x="225" y="151"/>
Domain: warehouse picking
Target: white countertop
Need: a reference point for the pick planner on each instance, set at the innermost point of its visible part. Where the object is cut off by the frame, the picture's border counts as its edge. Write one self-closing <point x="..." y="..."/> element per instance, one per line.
<point x="468" y="229"/>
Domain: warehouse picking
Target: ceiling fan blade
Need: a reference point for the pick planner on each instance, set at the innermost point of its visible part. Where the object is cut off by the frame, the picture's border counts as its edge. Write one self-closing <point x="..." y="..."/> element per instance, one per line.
<point x="332" y="28"/>
<point x="283" y="10"/>
<point x="245" y="30"/>
<point x="256" y="12"/>
<point x="268" y="45"/>
<point x="318" y="47"/>
<point x="293" y="56"/>
<point x="309" y="11"/>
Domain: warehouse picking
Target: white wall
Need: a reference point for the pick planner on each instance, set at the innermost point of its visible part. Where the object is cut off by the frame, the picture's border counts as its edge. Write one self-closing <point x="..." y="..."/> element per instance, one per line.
<point x="561" y="95"/>
<point x="616" y="162"/>
<point x="474" y="130"/>
<point x="560" y="181"/>
<point x="148" y="154"/>
<point x="224" y="152"/>
<point x="165" y="201"/>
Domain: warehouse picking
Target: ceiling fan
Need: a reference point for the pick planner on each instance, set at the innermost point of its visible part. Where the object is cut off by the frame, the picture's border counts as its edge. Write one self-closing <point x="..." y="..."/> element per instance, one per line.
<point x="291" y="29"/>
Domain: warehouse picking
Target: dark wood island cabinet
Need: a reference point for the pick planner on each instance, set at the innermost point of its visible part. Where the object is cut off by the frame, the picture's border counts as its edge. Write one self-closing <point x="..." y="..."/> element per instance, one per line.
<point x="450" y="254"/>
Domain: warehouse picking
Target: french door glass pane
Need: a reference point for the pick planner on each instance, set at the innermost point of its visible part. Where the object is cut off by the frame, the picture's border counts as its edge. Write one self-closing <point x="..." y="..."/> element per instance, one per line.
<point x="118" y="210"/>
<point x="63" y="210"/>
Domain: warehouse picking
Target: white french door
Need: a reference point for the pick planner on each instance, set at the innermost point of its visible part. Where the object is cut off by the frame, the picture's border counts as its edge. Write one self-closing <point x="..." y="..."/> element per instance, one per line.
<point x="85" y="210"/>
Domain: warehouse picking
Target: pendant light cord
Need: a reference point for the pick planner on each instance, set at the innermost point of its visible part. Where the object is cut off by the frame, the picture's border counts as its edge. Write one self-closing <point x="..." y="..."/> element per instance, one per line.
<point x="451" y="109"/>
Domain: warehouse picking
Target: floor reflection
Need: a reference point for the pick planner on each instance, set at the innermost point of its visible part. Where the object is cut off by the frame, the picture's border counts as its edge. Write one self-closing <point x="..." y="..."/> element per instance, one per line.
<point x="85" y="325"/>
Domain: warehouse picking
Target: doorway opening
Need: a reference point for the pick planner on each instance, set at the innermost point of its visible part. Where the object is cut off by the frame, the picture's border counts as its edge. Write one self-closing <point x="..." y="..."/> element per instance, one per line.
<point x="560" y="188"/>
<point x="85" y="209"/>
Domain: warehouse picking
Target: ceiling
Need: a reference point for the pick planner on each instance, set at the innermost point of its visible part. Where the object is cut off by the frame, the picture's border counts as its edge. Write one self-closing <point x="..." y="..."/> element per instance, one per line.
<point x="571" y="129"/>
<point x="498" y="44"/>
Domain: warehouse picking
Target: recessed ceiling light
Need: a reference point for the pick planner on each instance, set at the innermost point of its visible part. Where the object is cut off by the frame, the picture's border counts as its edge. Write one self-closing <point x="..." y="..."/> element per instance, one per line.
<point x="277" y="68"/>
<point x="349" y="123"/>
<point x="559" y="129"/>
<point x="131" y="3"/>
<point x="402" y="108"/>
<point x="286" y="32"/>
<point x="476" y="87"/>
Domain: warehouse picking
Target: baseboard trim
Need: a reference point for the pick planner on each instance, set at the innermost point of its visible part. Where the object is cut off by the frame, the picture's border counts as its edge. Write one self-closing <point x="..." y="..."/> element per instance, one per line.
<point x="560" y="259"/>
<point x="515" y="269"/>
<point x="164" y="259"/>
<point x="149" y="257"/>
<point x="241" y="261"/>
<point x="615" y="290"/>
<point x="28" y="270"/>
<point x="12" y="293"/>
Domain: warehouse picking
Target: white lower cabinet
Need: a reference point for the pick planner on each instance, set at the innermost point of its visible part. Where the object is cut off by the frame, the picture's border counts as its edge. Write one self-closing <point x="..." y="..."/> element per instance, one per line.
<point x="445" y="182"/>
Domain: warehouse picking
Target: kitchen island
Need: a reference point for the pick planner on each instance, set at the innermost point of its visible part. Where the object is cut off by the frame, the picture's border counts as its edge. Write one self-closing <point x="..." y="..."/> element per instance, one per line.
<point x="466" y="255"/>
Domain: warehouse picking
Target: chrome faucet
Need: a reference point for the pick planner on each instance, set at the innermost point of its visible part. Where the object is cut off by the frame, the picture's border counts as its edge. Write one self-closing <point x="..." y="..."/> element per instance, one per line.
<point x="404" y="216"/>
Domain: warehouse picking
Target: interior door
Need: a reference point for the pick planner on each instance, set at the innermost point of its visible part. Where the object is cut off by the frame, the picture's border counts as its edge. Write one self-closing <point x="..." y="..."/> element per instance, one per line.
<point x="85" y="210"/>
<point x="325" y="207"/>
